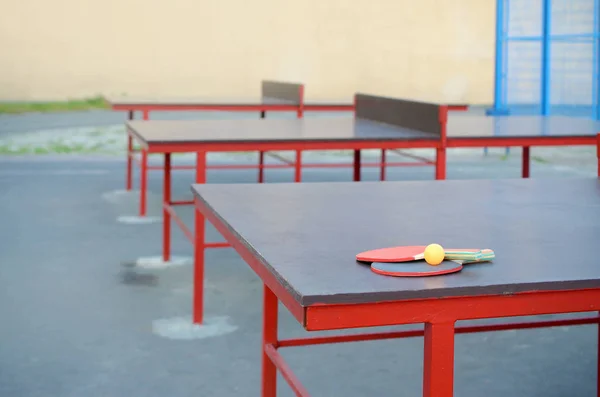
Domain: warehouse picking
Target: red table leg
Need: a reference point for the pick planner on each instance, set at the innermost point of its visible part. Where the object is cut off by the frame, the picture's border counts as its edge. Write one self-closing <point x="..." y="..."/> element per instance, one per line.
<point x="598" y="347"/>
<point x="143" y="181"/>
<point x="440" y="163"/>
<point x="598" y="153"/>
<point x="440" y="154"/>
<point x="269" y="370"/>
<point x="144" y="172"/>
<point x="261" y="157"/>
<point x="438" y="370"/>
<point x="166" y="214"/>
<point x="199" y="245"/>
<point x="128" y="181"/>
<point x="298" y="167"/>
<point x="261" y="165"/>
<point x="525" y="162"/>
<point x="356" y="177"/>
<point x="382" y="166"/>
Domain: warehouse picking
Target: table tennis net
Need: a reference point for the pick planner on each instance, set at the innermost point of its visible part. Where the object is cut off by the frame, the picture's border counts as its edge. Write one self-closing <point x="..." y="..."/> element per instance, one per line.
<point x="414" y="115"/>
<point x="289" y="92"/>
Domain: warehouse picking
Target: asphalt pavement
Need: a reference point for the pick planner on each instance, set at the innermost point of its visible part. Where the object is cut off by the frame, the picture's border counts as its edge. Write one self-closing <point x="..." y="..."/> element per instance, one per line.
<point x="78" y="319"/>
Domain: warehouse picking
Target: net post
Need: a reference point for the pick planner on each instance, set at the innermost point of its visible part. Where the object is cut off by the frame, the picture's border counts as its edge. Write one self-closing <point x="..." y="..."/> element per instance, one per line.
<point x="500" y="107"/>
<point x="545" y="78"/>
<point x="300" y="113"/>
<point x="596" y="59"/>
<point x="598" y="159"/>
<point x="499" y="55"/>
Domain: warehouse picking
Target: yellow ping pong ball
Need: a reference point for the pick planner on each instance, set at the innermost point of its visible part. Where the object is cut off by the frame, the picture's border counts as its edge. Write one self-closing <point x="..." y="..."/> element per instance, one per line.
<point x="434" y="254"/>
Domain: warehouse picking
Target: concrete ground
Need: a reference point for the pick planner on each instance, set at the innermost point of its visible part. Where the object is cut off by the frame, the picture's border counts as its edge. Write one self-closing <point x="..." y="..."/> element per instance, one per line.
<point x="78" y="319"/>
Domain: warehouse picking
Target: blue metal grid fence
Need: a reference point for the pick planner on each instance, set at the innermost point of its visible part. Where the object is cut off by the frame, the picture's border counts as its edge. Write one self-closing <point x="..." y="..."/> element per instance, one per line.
<point x="547" y="58"/>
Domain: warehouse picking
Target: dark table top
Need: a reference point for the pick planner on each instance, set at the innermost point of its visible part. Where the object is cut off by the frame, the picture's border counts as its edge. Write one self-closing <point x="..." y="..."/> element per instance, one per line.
<point x="246" y="101"/>
<point x="269" y="130"/>
<point x="198" y="101"/>
<point x="329" y="102"/>
<point x="545" y="234"/>
<point x="346" y="128"/>
<point x="465" y="125"/>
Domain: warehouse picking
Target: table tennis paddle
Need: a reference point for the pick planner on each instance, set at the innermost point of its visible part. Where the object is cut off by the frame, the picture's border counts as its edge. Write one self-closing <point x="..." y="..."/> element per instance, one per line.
<point x="417" y="252"/>
<point x="415" y="269"/>
<point x="420" y="268"/>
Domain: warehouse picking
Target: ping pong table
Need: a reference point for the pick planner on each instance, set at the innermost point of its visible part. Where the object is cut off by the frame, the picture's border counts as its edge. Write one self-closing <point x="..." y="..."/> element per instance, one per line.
<point x="275" y="96"/>
<point x="544" y="233"/>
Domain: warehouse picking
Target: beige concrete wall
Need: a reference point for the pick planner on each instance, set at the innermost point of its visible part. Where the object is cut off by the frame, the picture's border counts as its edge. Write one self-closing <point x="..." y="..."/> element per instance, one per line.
<point x="431" y="49"/>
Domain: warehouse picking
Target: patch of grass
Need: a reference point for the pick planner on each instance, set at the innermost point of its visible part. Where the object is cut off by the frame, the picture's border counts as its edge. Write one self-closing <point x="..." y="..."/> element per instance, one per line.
<point x="538" y="159"/>
<point x="6" y="149"/>
<point x="61" y="148"/>
<point x="53" y="106"/>
<point x="57" y="147"/>
<point x="41" y="150"/>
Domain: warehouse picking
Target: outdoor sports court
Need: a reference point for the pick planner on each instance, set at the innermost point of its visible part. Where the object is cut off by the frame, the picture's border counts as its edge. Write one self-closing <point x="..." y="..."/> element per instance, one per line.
<point x="260" y="288"/>
<point x="101" y="320"/>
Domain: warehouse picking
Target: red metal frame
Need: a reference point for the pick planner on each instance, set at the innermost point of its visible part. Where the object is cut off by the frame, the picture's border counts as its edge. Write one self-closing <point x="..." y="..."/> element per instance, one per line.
<point x="438" y="315"/>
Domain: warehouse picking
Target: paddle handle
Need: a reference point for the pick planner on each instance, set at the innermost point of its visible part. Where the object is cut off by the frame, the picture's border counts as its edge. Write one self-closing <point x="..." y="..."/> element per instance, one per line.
<point x="470" y="256"/>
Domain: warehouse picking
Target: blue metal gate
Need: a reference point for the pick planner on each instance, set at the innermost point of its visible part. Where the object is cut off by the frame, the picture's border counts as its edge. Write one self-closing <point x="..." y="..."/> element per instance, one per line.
<point x="547" y="58"/>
